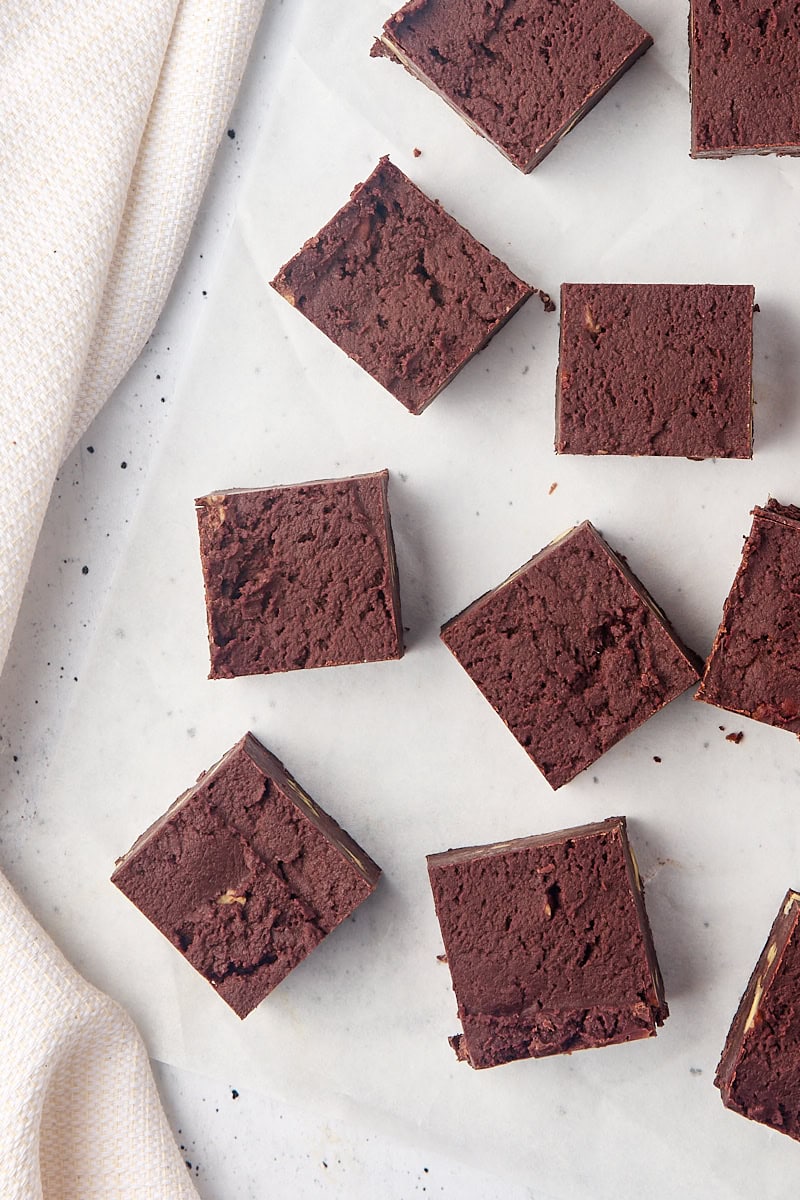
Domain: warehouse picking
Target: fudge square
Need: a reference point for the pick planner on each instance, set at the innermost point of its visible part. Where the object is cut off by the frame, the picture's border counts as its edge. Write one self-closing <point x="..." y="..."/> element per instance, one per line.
<point x="401" y="287"/>
<point x="245" y="875"/>
<point x="754" y="665"/>
<point x="548" y="944"/>
<point x="300" y="576"/>
<point x="520" y="72"/>
<point x="744" y="65"/>
<point x="656" y="369"/>
<point x="759" y="1072"/>
<point x="571" y="652"/>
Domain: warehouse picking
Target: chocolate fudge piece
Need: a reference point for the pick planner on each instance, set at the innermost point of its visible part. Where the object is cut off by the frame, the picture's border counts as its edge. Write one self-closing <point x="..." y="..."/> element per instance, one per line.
<point x="245" y="875"/>
<point x="520" y="72"/>
<point x="571" y="652"/>
<point x="759" y="1072"/>
<point x="754" y="665"/>
<point x="548" y="944"/>
<point x="744" y="67"/>
<point x="300" y="576"/>
<point x="655" y="369"/>
<point x="401" y="287"/>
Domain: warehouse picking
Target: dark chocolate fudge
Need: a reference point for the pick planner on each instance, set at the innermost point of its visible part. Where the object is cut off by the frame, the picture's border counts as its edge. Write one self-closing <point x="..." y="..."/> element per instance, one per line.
<point x="744" y="68"/>
<point x="245" y="875"/>
<point x="300" y="576"/>
<point x="759" y="1072"/>
<point x="520" y="72"/>
<point x="754" y="666"/>
<point x="572" y="653"/>
<point x="401" y="287"/>
<point x="655" y="369"/>
<point x="548" y="944"/>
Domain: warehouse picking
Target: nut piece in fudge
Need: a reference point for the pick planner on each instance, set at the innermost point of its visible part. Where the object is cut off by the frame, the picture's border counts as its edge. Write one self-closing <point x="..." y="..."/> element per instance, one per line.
<point x="300" y="576"/>
<point x="572" y="652"/>
<point x="754" y="665"/>
<point x="662" y="369"/>
<point x="401" y="287"/>
<point x="520" y="72"/>
<point x="245" y="875"/>
<point x="548" y="944"/>
<point x="744" y="64"/>
<point x="759" y="1072"/>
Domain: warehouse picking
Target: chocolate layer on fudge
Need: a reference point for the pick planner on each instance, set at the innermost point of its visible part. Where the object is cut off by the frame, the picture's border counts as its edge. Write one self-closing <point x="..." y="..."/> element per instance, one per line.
<point x="245" y="874"/>
<point x="744" y="68"/>
<point x="754" y="665"/>
<point x="548" y="944"/>
<point x="759" y="1072"/>
<point x="401" y="287"/>
<point x="520" y="72"/>
<point x="300" y="576"/>
<point x="663" y="369"/>
<point x="572" y="652"/>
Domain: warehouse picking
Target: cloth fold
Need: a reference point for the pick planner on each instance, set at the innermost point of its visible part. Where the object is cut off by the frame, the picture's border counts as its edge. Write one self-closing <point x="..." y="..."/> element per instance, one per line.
<point x="80" y="1117"/>
<point x="111" y="112"/>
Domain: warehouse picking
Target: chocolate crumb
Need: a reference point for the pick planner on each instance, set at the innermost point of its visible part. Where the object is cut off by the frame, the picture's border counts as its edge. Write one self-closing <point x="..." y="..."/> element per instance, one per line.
<point x="736" y="738"/>
<point x="656" y="758"/>
<point x="553" y="487"/>
<point x="90" y="449"/>
<point x="234" y="1094"/>
<point x="547" y="301"/>
<point x="84" y="570"/>
<point x="442" y="958"/>
<point x="417" y="152"/>
<point x="124" y="466"/>
<point x="722" y="728"/>
<point x="231" y="134"/>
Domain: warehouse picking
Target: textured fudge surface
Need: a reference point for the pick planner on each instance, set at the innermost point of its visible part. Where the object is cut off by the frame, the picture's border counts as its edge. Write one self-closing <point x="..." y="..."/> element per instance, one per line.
<point x="759" y="1072"/>
<point x="572" y="653"/>
<point x="300" y="576"/>
<point x="548" y="944"/>
<point x="401" y="287"/>
<point x="245" y="875"/>
<point x="655" y="369"/>
<point x="745" y="64"/>
<point x="521" y="72"/>
<point x="754" y="666"/>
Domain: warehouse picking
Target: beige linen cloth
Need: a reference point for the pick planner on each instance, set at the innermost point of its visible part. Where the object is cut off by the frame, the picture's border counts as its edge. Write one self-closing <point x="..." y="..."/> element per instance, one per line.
<point x="111" y="112"/>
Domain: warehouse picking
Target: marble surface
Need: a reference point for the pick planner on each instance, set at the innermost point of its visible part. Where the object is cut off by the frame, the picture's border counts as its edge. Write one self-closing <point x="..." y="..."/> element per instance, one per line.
<point x="106" y="713"/>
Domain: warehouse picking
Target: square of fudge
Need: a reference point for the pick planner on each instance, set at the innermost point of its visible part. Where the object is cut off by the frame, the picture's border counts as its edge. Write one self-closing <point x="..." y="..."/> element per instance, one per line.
<point x="520" y="72"/>
<point x="759" y="1072"/>
<point x="754" y="665"/>
<point x="662" y="369"/>
<point x="548" y="944"/>
<point x="245" y="875"/>
<point x="744" y="64"/>
<point x="300" y="576"/>
<point x="401" y="287"/>
<point x="572" y="652"/>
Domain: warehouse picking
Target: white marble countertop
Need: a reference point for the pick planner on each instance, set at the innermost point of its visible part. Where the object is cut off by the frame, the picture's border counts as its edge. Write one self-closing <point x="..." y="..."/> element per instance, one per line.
<point x="105" y="712"/>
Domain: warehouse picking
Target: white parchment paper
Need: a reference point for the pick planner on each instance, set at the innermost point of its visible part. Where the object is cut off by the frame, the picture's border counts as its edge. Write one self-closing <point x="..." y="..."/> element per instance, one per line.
<point x="407" y="755"/>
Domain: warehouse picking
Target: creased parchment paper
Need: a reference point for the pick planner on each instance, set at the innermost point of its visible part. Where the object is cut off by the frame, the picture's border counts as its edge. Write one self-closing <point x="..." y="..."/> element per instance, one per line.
<point x="407" y="755"/>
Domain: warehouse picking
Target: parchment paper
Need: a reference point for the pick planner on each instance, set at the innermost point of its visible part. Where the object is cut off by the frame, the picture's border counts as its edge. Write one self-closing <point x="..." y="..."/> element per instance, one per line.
<point x="407" y="755"/>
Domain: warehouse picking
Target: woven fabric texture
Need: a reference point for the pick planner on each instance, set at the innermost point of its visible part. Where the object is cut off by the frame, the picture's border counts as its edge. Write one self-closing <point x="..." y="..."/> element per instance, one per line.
<point x="112" y="112"/>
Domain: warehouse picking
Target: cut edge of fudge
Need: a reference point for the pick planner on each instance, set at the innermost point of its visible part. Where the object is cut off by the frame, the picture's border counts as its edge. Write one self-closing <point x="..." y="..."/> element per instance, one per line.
<point x="698" y="151"/>
<point x="281" y="285"/>
<point x="693" y="661"/>
<point x="250" y="990"/>
<point x="559" y="445"/>
<point x="787" y="515"/>
<point x="744" y="1026"/>
<point x="386" y="47"/>
<point x="215" y="501"/>
<point x="273" y="769"/>
<point x="658" y="1008"/>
